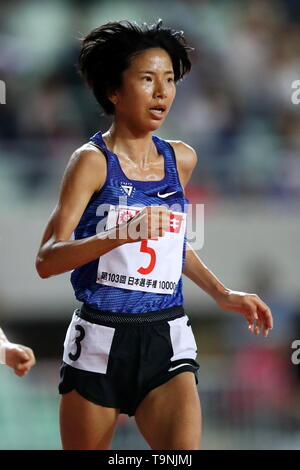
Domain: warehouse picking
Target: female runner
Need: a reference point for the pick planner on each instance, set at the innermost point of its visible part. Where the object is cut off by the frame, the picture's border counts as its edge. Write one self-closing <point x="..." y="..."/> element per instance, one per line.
<point x="129" y="347"/>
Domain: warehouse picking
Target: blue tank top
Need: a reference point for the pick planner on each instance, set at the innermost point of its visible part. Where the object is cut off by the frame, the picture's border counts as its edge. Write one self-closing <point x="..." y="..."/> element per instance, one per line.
<point x="137" y="193"/>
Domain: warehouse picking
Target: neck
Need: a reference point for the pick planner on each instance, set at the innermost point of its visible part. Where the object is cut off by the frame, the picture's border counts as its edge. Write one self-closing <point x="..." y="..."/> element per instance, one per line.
<point x="136" y="146"/>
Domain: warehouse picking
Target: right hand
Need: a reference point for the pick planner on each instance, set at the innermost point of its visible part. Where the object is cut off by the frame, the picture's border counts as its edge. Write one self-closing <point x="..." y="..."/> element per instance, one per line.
<point x="20" y="358"/>
<point x="150" y="222"/>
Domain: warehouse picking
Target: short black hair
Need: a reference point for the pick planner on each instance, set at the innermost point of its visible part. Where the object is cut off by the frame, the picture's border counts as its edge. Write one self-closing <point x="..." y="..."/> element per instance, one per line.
<point x="107" y="50"/>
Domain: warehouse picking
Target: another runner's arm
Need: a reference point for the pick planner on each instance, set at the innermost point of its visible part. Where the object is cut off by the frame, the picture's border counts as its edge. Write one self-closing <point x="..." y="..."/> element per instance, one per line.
<point x="3" y="338"/>
<point x="85" y="174"/>
<point x="18" y="357"/>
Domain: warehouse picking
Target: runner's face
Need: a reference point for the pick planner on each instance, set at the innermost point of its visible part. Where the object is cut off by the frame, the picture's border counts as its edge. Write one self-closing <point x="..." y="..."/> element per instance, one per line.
<point x="147" y="83"/>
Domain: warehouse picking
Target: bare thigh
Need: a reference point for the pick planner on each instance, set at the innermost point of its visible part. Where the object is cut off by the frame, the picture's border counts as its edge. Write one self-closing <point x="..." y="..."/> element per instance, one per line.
<point x="85" y="425"/>
<point x="169" y="417"/>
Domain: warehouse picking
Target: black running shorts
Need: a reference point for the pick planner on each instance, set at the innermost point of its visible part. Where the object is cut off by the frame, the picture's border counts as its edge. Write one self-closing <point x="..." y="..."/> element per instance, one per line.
<point x="114" y="361"/>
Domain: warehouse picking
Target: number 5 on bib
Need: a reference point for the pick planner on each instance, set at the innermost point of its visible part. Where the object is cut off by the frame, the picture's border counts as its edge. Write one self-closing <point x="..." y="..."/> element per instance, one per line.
<point x="152" y="265"/>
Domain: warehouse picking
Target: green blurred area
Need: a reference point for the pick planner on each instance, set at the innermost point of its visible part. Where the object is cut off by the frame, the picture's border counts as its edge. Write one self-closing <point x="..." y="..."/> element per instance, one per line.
<point x="30" y="408"/>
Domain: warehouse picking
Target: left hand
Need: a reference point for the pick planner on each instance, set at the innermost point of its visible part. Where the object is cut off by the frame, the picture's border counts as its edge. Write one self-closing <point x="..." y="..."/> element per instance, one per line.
<point x="249" y="305"/>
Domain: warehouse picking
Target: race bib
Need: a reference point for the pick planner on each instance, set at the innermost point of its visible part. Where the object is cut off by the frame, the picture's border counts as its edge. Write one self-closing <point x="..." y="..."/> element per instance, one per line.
<point x="152" y="265"/>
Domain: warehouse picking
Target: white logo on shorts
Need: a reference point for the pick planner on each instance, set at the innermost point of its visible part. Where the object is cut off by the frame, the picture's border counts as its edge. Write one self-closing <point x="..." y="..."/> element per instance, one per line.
<point x="181" y="365"/>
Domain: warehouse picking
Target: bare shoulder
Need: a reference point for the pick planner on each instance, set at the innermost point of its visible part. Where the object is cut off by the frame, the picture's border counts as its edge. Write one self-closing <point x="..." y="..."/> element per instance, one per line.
<point x="186" y="156"/>
<point x="85" y="174"/>
<point x="186" y="159"/>
<point x="87" y="154"/>
<point x="89" y="164"/>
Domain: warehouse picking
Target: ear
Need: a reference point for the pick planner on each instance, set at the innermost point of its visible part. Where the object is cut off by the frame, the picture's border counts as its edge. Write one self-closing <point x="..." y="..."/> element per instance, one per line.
<point x="112" y="96"/>
<point x="114" y="100"/>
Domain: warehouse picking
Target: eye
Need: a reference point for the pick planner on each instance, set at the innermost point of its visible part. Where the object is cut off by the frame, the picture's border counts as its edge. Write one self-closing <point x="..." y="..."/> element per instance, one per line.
<point x="170" y="79"/>
<point x="148" y="78"/>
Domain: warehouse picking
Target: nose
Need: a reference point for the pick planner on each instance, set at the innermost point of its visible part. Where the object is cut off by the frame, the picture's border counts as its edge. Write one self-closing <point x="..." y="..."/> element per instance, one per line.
<point x="160" y="89"/>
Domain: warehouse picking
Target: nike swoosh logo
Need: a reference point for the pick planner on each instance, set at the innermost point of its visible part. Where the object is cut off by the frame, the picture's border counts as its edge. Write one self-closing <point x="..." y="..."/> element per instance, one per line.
<point x="166" y="194"/>
<point x="181" y="365"/>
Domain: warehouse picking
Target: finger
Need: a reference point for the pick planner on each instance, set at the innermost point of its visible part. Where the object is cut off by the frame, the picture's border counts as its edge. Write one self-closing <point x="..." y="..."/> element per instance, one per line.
<point x="266" y="330"/>
<point x="20" y="373"/>
<point x="19" y="369"/>
<point x="250" y="321"/>
<point x="143" y="224"/>
<point x="23" y="373"/>
<point x="29" y="351"/>
<point x="23" y="356"/>
<point x="263" y="325"/>
<point x="152" y="223"/>
<point x="257" y="320"/>
<point x="165" y="223"/>
<point x="28" y="364"/>
<point x="160" y="224"/>
<point x="251" y="310"/>
<point x="254" y="314"/>
<point x="31" y="363"/>
<point x="266" y="312"/>
<point x="259" y="325"/>
<point x="24" y="353"/>
<point x="267" y="319"/>
<point x="264" y="321"/>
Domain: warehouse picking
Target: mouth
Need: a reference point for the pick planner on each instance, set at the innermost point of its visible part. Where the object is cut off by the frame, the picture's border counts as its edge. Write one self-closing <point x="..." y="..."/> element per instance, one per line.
<point x="158" y="111"/>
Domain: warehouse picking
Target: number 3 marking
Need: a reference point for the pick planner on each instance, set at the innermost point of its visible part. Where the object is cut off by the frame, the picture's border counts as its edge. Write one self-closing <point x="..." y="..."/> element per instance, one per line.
<point x="78" y="340"/>
<point x="146" y="249"/>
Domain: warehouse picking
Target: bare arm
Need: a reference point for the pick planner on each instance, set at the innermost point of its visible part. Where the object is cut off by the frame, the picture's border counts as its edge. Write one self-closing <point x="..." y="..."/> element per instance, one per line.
<point x="249" y="305"/>
<point x="198" y="272"/>
<point x="3" y="343"/>
<point x="3" y="338"/>
<point x="195" y="269"/>
<point x="85" y="174"/>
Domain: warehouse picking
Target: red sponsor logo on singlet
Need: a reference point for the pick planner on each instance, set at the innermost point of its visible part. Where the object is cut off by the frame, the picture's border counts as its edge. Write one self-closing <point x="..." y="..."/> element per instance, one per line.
<point x="125" y="215"/>
<point x="175" y="223"/>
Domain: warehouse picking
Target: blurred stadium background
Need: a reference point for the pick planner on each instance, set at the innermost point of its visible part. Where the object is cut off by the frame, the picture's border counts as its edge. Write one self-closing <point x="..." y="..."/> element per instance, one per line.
<point x="235" y="109"/>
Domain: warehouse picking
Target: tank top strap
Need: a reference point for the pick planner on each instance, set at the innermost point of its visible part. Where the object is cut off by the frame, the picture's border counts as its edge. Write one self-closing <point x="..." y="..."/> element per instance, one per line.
<point x="97" y="140"/>
<point x="167" y="151"/>
<point x="112" y="164"/>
